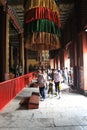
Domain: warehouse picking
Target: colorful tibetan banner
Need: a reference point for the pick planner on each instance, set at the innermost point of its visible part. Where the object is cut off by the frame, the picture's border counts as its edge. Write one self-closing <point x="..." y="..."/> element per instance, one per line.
<point x="42" y="25"/>
<point x="42" y="41"/>
<point x="42" y="13"/>
<point x="41" y="3"/>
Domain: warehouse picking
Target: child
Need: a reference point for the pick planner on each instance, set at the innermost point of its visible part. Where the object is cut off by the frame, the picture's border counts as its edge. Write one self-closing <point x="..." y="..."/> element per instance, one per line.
<point x="50" y="89"/>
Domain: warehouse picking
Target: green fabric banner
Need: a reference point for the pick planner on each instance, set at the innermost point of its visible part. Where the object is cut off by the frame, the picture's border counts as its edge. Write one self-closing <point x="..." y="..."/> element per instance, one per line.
<point x="42" y="25"/>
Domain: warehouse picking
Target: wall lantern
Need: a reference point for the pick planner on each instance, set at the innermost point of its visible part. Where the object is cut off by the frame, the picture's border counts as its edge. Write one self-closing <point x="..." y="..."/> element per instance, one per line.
<point x="85" y="28"/>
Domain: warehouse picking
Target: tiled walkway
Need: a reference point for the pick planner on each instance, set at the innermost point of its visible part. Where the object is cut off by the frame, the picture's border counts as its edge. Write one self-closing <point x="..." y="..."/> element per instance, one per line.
<point x="67" y="113"/>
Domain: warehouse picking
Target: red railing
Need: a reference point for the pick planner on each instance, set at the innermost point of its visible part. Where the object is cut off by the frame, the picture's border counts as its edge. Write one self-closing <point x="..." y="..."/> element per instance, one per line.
<point x="10" y="88"/>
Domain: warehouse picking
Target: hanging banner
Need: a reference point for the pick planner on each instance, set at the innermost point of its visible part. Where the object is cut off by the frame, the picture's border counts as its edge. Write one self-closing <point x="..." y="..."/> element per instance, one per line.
<point x="42" y="13"/>
<point x="42" y="25"/>
<point x="51" y="4"/>
<point x="42" y="41"/>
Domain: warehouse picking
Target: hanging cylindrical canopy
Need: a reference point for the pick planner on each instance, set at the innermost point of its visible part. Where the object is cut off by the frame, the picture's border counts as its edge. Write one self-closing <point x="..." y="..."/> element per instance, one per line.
<point x="42" y="25"/>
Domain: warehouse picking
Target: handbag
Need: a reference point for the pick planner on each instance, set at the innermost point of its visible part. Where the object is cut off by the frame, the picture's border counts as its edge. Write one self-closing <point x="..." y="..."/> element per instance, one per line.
<point x="60" y="86"/>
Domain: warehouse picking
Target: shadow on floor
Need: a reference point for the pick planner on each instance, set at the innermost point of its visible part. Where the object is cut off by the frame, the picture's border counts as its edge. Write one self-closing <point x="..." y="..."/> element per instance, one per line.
<point x="24" y="103"/>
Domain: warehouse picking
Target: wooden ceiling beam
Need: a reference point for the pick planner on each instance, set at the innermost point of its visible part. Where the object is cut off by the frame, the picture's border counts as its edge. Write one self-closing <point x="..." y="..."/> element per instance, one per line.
<point x="14" y="20"/>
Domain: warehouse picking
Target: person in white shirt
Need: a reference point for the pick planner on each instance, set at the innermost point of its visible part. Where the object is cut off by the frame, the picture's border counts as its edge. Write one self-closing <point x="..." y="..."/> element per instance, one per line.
<point x="41" y="84"/>
<point x="57" y="80"/>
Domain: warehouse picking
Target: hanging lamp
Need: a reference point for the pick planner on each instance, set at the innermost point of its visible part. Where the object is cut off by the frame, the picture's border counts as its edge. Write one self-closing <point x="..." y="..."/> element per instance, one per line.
<point x="42" y="25"/>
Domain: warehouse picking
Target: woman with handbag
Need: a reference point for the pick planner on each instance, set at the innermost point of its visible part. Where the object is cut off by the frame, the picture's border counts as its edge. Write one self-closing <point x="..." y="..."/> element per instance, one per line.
<point x="57" y="80"/>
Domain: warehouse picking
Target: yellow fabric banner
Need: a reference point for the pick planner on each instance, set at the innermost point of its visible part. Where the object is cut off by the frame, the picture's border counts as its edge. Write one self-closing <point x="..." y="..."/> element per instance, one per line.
<point x="42" y="41"/>
<point x="41" y="3"/>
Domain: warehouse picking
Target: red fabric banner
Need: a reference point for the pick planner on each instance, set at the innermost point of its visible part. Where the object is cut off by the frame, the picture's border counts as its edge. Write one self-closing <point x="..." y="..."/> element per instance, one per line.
<point x="42" y="13"/>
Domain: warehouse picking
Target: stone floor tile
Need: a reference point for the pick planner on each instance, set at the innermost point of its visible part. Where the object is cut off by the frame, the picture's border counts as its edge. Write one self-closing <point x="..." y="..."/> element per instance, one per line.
<point x="73" y="128"/>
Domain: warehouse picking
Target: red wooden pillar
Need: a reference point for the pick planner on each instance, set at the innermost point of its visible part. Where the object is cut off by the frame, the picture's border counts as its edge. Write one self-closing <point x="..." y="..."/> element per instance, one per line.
<point x="26" y="61"/>
<point x="52" y="63"/>
<point x="65" y="57"/>
<point x="55" y="63"/>
<point x="58" y="61"/>
<point x="21" y="51"/>
<point x="61" y="59"/>
<point x="84" y="43"/>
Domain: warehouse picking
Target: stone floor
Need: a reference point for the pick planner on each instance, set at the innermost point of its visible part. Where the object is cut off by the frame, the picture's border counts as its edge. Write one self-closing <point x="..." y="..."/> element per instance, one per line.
<point x="67" y="113"/>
